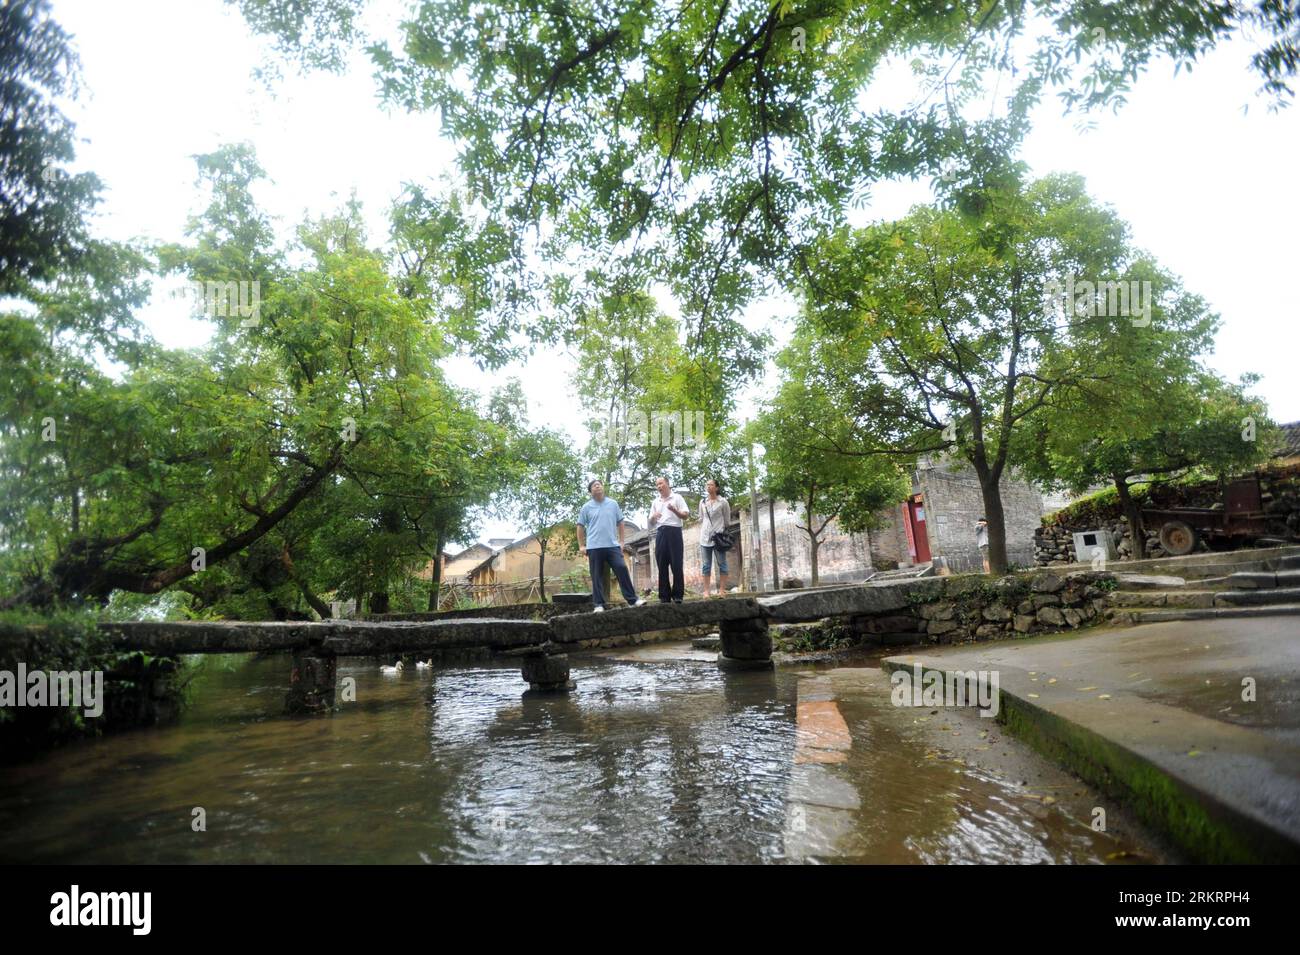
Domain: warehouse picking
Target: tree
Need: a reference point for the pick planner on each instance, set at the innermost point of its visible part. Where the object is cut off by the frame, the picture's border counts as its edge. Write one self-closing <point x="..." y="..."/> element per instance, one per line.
<point x="1160" y="414"/>
<point x="942" y="332"/>
<point x="654" y="407"/>
<point x="202" y="469"/>
<point x="43" y="209"/>
<point x="853" y="488"/>
<point x="548" y="494"/>
<point x="708" y="144"/>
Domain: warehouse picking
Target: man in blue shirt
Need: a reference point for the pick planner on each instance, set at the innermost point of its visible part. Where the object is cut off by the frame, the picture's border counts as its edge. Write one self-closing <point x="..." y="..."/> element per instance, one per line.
<point x="598" y="522"/>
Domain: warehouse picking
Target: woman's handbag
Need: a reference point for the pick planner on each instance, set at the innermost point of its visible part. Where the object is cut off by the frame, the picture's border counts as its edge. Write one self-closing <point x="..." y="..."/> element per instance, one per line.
<point x="723" y="541"/>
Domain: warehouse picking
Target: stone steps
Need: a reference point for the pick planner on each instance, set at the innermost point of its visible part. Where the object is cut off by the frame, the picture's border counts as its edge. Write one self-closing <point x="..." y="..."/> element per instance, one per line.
<point x="1137" y="616"/>
<point x="1231" y="562"/>
<point x="1254" y="580"/>
<point x="1205" y="564"/>
<point x="1150" y="606"/>
<point x="1260" y="597"/>
<point x="1203" y="599"/>
<point x="1160" y="598"/>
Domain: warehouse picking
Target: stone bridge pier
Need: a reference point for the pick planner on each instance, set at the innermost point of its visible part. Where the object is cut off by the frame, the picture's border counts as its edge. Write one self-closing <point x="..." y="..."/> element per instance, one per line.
<point x="746" y="644"/>
<point x="547" y="672"/>
<point x="311" y="684"/>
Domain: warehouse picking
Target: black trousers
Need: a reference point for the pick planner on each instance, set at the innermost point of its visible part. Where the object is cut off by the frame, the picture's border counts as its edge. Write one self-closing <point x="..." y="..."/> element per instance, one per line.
<point x="668" y="555"/>
<point x="597" y="558"/>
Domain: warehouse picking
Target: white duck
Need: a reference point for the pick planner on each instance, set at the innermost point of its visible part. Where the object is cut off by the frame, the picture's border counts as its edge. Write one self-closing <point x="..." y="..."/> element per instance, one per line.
<point x="424" y="664"/>
<point x="393" y="670"/>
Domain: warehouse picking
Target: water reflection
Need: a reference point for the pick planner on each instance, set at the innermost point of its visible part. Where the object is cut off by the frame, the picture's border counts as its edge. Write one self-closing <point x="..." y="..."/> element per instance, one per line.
<point x="663" y="761"/>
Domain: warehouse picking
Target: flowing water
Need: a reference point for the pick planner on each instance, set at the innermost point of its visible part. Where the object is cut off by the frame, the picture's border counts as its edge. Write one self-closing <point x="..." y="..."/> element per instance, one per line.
<point x="658" y="759"/>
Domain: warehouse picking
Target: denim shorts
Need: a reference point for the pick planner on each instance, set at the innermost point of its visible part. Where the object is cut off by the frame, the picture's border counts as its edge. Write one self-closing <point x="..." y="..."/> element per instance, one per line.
<point x="706" y="558"/>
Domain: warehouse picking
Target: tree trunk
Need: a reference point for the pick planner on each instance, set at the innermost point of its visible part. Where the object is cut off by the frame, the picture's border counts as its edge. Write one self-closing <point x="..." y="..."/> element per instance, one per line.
<point x="1137" y="533"/>
<point x="379" y="602"/>
<point x="435" y="577"/>
<point x="813" y="545"/>
<point x="541" y="572"/>
<point x="991" y="492"/>
<point x="320" y="606"/>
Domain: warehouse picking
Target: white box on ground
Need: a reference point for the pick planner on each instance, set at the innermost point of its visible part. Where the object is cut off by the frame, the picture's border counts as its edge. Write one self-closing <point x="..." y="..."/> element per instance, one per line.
<point x="1089" y="545"/>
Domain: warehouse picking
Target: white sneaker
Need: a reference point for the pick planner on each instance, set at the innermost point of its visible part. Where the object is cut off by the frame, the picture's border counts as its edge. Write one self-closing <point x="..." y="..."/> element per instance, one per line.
<point x="599" y="610"/>
<point x="639" y="603"/>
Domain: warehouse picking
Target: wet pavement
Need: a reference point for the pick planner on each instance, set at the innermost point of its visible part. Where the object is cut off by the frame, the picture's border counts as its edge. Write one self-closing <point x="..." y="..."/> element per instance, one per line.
<point x="1212" y="705"/>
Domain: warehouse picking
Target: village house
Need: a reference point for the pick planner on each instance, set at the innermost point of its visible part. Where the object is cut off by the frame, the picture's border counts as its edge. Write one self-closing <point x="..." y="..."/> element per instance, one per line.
<point x="504" y="571"/>
<point x="935" y="525"/>
<point x="1288" y="451"/>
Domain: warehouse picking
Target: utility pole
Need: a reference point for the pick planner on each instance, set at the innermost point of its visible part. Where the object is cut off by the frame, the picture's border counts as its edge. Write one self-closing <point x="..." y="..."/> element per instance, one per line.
<point x="771" y="522"/>
<point x="753" y="519"/>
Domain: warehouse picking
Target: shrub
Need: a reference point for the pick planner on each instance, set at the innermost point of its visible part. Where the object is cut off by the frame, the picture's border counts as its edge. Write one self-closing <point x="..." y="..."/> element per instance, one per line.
<point x="139" y="689"/>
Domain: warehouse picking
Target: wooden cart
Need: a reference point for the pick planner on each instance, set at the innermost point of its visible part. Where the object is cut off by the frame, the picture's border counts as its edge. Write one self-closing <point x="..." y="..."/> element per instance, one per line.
<point x="1240" y="520"/>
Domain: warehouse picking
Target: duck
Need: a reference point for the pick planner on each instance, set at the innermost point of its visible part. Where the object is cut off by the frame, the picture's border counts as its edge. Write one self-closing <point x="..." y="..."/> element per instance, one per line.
<point x="424" y="664"/>
<point x="393" y="669"/>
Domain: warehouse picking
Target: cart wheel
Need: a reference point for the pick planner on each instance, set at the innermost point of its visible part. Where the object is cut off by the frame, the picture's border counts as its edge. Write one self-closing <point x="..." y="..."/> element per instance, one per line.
<point x="1177" y="538"/>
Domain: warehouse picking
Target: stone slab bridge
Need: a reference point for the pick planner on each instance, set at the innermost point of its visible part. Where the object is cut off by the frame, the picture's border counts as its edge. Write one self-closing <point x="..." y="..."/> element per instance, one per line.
<point x="743" y="624"/>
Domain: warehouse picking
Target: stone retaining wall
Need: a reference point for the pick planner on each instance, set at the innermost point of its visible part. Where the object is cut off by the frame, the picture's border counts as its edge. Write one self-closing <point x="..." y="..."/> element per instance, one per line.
<point x="1054" y="540"/>
<point x="1054" y="544"/>
<point x="968" y="608"/>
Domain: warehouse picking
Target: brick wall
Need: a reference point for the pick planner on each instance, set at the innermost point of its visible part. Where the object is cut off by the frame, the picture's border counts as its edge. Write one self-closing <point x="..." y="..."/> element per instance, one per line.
<point x="953" y="505"/>
<point x="841" y="557"/>
<point x="889" y="540"/>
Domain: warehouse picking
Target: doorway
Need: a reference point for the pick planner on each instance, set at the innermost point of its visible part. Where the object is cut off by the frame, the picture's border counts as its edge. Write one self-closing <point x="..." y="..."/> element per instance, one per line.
<point x="918" y="542"/>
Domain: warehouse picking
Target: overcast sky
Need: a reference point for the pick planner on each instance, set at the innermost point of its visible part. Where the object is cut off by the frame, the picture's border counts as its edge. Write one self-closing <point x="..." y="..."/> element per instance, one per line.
<point x="1203" y="172"/>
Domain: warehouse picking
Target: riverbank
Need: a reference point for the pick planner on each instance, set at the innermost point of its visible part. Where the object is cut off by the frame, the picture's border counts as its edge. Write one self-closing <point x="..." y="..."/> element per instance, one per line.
<point x="61" y="680"/>
<point x="1192" y="725"/>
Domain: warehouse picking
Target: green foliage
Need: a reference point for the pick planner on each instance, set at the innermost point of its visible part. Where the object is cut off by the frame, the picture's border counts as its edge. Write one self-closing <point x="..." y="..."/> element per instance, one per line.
<point x="825" y="636"/>
<point x="43" y="208"/>
<point x="1157" y="412"/>
<point x="139" y="689"/>
<point x="944" y="333"/>
<point x="707" y="144"/>
<point x="916" y="599"/>
<point x="316" y="450"/>
<point x="1095" y="507"/>
<point x="544" y="489"/>
<point x="633" y="372"/>
<point x="928" y="335"/>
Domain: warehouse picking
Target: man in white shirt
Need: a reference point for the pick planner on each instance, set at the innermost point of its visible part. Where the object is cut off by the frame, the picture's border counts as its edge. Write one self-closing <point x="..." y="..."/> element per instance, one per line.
<point x="982" y="541"/>
<point x="666" y="516"/>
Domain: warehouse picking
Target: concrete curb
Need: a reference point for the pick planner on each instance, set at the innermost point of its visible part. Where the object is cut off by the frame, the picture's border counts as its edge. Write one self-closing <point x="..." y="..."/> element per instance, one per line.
<point x="1209" y="818"/>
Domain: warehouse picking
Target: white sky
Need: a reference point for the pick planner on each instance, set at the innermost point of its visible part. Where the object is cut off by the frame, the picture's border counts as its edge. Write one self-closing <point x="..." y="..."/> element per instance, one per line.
<point x="1208" y="186"/>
